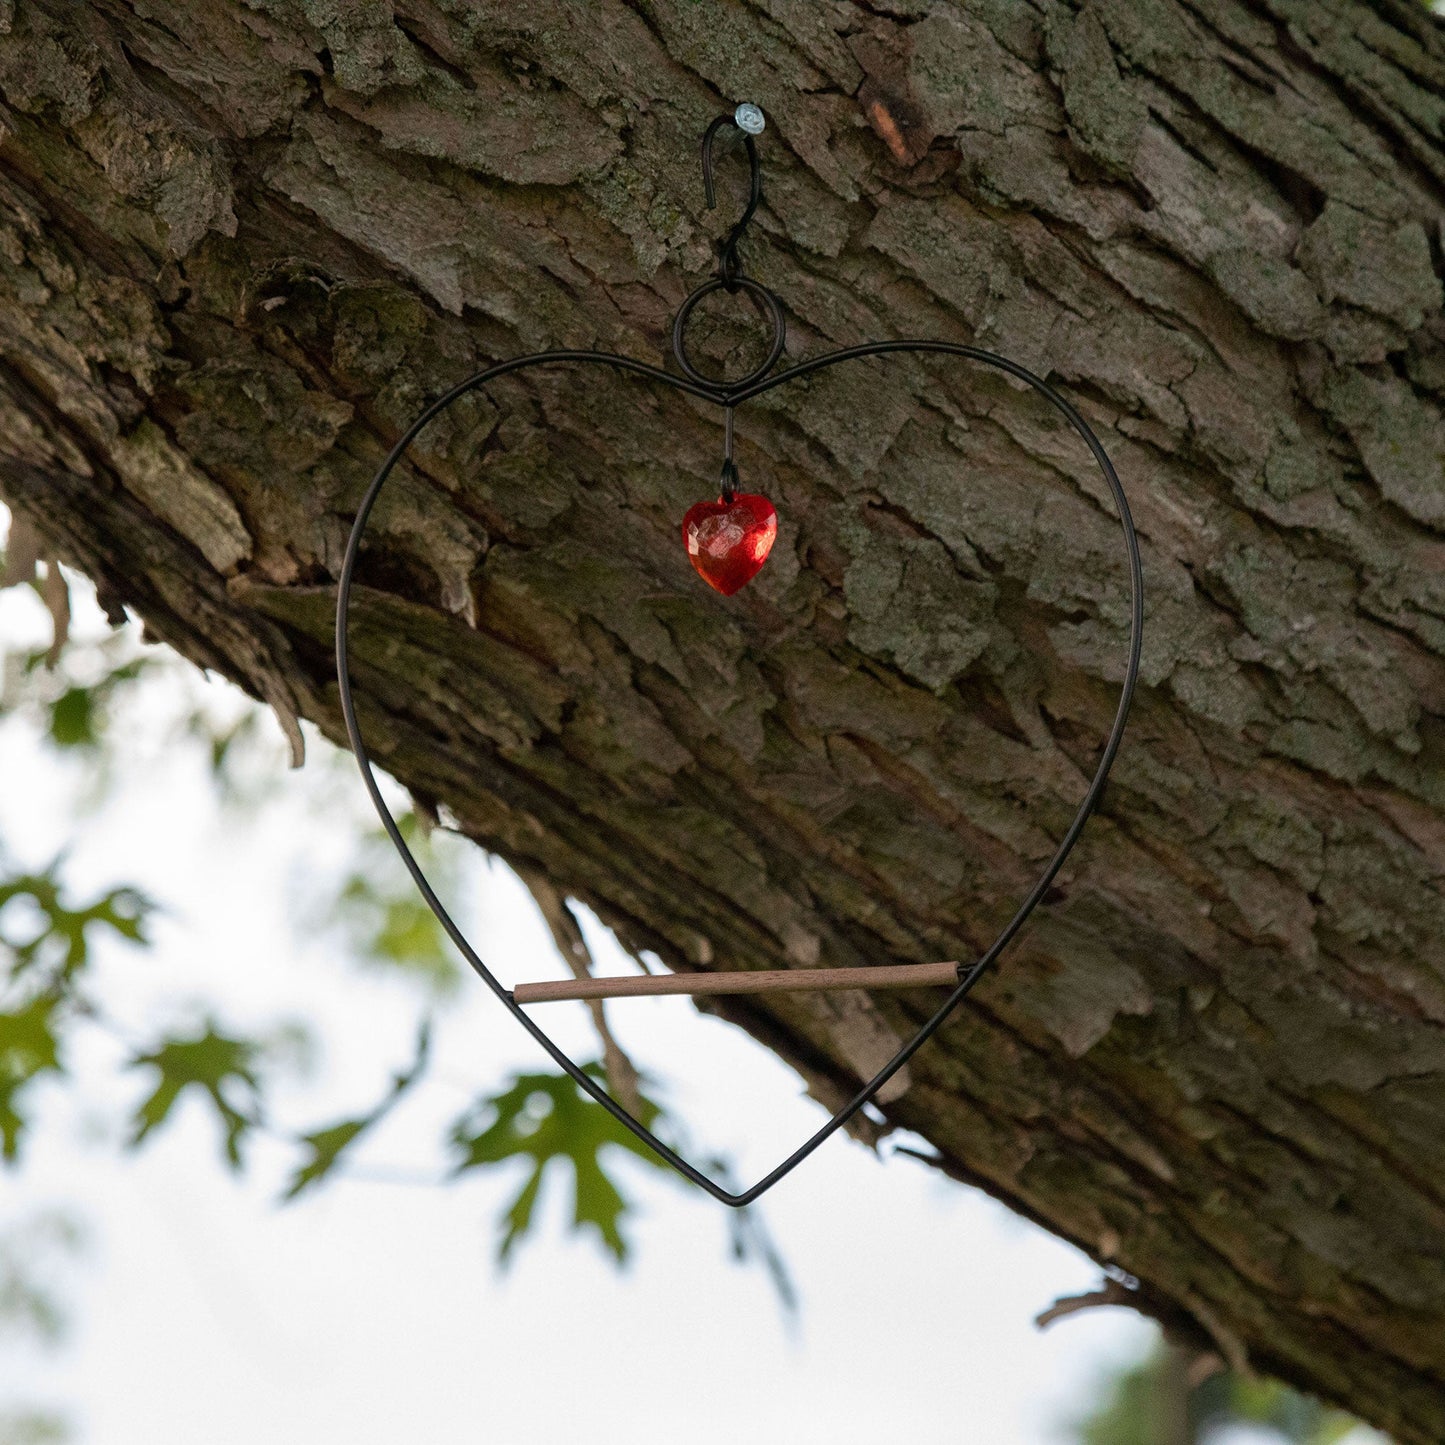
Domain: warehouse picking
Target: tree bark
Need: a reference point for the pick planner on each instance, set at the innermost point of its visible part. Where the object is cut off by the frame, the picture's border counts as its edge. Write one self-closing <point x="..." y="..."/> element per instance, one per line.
<point x="243" y="243"/>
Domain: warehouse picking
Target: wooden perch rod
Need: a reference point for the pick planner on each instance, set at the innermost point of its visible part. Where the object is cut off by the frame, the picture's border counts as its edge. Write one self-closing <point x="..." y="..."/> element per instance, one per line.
<point x="901" y="975"/>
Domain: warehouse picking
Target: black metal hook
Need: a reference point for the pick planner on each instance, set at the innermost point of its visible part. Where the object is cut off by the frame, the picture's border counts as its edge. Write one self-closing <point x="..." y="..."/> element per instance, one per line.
<point x="730" y="268"/>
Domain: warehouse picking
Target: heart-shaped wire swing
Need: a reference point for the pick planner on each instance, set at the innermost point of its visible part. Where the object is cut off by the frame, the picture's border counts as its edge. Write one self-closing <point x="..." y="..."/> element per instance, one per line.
<point x="730" y="395"/>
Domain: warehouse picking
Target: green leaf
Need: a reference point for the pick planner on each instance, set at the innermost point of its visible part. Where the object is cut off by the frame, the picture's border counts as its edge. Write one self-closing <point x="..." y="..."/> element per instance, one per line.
<point x="28" y="1048"/>
<point x="517" y="1220"/>
<point x="42" y="954"/>
<point x="1142" y="1398"/>
<point x="78" y="715"/>
<point x="547" y="1119"/>
<point x="213" y="1063"/>
<point x="1300" y="1419"/>
<point x="73" y="719"/>
<point x="383" y="919"/>
<point x="598" y="1203"/>
<point x="28" y="1252"/>
<point x="326" y="1146"/>
<point x="64" y="937"/>
<point x="32" y="1427"/>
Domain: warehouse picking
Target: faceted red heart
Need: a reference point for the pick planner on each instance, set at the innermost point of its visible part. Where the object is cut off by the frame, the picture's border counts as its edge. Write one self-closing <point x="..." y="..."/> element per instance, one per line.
<point x="728" y="541"/>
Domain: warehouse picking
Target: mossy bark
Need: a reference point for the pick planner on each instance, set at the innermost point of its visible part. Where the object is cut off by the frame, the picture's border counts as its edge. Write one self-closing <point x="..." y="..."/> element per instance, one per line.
<point x="242" y="243"/>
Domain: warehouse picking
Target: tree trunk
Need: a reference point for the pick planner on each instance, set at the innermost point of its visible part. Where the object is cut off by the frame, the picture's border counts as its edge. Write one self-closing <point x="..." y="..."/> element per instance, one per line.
<point x="243" y="243"/>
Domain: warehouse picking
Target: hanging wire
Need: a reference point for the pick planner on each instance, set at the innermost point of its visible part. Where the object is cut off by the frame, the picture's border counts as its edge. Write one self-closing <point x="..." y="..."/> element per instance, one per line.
<point x="747" y="120"/>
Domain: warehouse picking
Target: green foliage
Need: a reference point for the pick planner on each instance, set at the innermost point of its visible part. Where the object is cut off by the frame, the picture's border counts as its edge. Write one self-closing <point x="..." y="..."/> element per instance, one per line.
<point x="72" y="695"/>
<point x="324" y="1147"/>
<point x="27" y="1303"/>
<point x="1297" y="1418"/>
<point x="385" y="921"/>
<point x="77" y="715"/>
<point x="29" y="1252"/>
<point x="45" y="944"/>
<point x="1127" y="1418"/>
<point x="28" y="1048"/>
<point x="224" y="743"/>
<point x="60" y="941"/>
<point x="73" y="702"/>
<point x="212" y="1063"/>
<point x="32" y="1427"/>
<point x="1153" y="1402"/>
<point x="547" y="1119"/>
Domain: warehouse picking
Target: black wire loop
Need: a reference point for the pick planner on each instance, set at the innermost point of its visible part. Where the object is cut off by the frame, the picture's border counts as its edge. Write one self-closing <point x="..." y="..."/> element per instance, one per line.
<point x="728" y="481"/>
<point x="729" y="276"/>
<point x="731" y="397"/>
<point x="768" y="303"/>
<point x="730" y="266"/>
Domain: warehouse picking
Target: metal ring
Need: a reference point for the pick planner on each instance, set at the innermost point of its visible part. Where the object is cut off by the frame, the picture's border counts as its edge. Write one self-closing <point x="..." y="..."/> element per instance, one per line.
<point x="753" y="288"/>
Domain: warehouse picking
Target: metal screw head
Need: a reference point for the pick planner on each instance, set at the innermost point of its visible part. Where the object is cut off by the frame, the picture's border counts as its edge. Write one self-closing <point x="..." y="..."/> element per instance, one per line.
<point x="749" y="117"/>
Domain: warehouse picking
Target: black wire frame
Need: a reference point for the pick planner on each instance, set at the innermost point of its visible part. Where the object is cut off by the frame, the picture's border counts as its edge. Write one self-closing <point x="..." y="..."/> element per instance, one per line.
<point x="728" y="396"/>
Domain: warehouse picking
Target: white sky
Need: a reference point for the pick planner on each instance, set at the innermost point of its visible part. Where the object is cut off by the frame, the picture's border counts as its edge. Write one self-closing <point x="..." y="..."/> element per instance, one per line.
<point x="371" y="1311"/>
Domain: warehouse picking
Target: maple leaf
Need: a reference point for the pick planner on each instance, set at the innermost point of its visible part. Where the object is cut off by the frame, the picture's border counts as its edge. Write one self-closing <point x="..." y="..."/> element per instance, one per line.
<point x="210" y="1062"/>
<point x="546" y="1118"/>
<point x="327" y="1145"/>
<point x="27" y="1048"/>
<point x="65" y="932"/>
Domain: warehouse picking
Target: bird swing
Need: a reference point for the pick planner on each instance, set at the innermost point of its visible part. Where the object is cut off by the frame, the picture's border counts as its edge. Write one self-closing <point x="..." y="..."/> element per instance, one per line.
<point x="727" y="541"/>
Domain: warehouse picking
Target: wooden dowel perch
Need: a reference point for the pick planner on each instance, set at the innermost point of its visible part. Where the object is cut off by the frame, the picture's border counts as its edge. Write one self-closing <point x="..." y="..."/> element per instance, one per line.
<point x="902" y="975"/>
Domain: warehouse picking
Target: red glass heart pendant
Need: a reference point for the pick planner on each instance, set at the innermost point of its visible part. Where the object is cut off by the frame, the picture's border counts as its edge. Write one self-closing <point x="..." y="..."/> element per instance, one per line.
<point x="728" y="541"/>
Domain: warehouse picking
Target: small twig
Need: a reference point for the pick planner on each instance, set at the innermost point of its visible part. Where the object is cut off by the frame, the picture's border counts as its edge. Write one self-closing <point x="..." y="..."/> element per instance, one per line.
<point x="1191" y="1327"/>
<point x="567" y="935"/>
<point x="1188" y="1323"/>
<point x="55" y="592"/>
<point x="1110" y="1293"/>
<point x="22" y="552"/>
